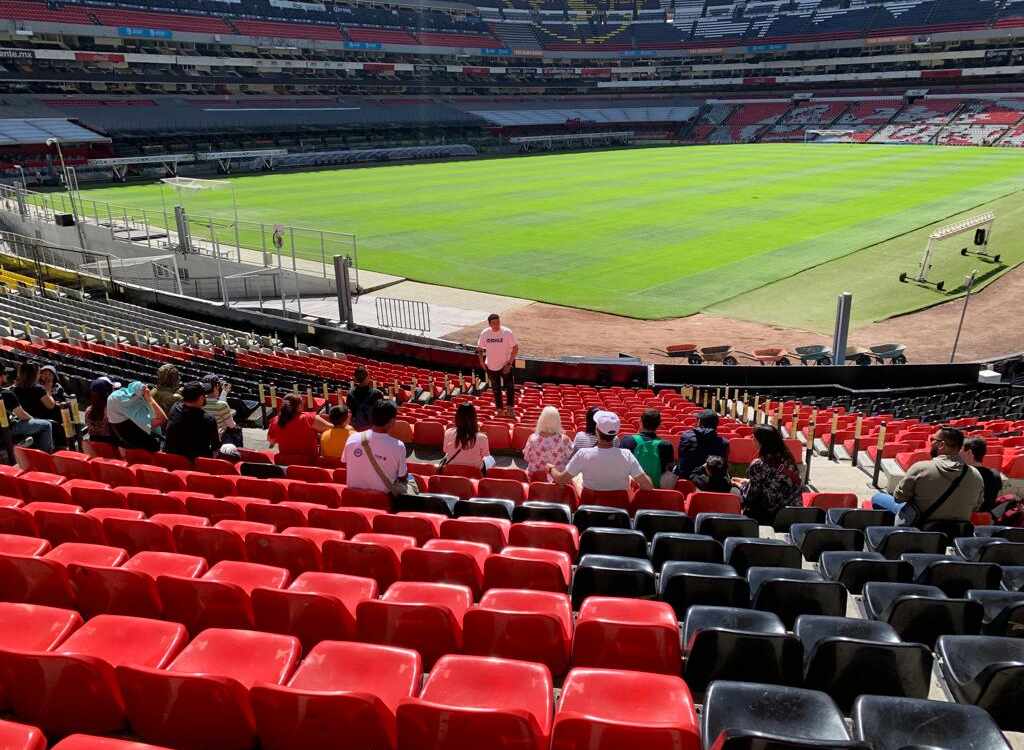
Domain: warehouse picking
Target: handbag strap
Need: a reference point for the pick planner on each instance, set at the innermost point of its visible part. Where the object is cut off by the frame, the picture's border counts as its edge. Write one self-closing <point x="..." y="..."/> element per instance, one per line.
<point x="445" y="460"/>
<point x="365" y="440"/>
<point x="925" y="515"/>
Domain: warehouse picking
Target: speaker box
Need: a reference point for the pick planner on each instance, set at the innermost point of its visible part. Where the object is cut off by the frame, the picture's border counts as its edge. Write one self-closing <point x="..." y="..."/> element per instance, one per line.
<point x="64" y="220"/>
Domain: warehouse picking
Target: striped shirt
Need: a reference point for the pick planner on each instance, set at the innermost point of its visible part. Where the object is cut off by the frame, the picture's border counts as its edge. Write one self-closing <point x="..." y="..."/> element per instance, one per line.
<point x="220" y="411"/>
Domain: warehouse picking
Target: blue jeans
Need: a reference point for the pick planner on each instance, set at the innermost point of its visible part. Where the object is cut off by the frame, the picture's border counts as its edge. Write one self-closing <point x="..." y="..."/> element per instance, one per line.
<point x="885" y="501"/>
<point x="40" y="430"/>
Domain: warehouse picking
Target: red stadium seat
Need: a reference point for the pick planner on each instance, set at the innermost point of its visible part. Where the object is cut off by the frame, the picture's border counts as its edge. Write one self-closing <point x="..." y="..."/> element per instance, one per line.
<point x="461" y="487"/>
<point x="376" y="556"/>
<point x="315" y="474"/>
<point x="72" y="465"/>
<point x="532" y="626"/>
<point x="426" y="617"/>
<point x="91" y="742"/>
<point x="553" y="493"/>
<point x="446" y="561"/>
<point x="428" y="434"/>
<point x="138" y="535"/>
<point x="221" y="598"/>
<point x="711" y="502"/>
<point x="25" y="546"/>
<point x="528" y="568"/>
<point x="829" y="500"/>
<point x="561" y="537"/>
<point x="507" y="489"/>
<point x="316" y="607"/>
<point x="151" y="500"/>
<point x="33" y="627"/>
<point x="72" y="688"/>
<point x="158" y="478"/>
<point x="607" y="498"/>
<point x="90" y="494"/>
<point x="278" y="515"/>
<point x="113" y="472"/>
<point x="350" y="521"/>
<point x="131" y="588"/>
<point x="211" y="543"/>
<point x="294" y="553"/>
<point x="490" y="531"/>
<point x="327" y="494"/>
<point x="33" y="459"/>
<point x="43" y="487"/>
<point x="172" y="706"/>
<point x="343" y="695"/>
<point x="508" y="472"/>
<point x="45" y="580"/>
<point x="211" y="484"/>
<point x="594" y="712"/>
<point x="172" y="461"/>
<point x="17" y="521"/>
<point x="274" y="490"/>
<point x="354" y="498"/>
<point x="15" y="736"/>
<point x="658" y="500"/>
<point x="628" y="634"/>
<point x="61" y="526"/>
<point x="216" y="466"/>
<point x="469" y="701"/>
<point x="422" y="526"/>
<point x="499" y="437"/>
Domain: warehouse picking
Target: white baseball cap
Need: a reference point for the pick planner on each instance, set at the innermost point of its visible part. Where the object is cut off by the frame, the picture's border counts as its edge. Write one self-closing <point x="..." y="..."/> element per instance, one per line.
<point x="607" y="422"/>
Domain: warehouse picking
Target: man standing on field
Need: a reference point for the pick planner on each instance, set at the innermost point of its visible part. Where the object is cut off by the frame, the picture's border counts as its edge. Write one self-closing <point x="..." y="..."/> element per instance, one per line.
<point x="498" y="349"/>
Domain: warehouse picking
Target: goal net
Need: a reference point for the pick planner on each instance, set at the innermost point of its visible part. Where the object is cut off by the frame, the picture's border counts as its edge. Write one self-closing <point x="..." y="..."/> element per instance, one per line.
<point x="826" y="135"/>
<point x="969" y="236"/>
<point x="194" y="184"/>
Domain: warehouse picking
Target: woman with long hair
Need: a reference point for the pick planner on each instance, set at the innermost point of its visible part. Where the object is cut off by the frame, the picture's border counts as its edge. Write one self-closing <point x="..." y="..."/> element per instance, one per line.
<point x="295" y="432"/>
<point x="465" y="444"/>
<point x="548" y="447"/>
<point x="773" y="479"/>
<point x="587" y="437"/>
<point x="97" y="426"/>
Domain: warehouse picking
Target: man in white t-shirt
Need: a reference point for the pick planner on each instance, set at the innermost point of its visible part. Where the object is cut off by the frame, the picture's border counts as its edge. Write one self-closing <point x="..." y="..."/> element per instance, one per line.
<point x="604" y="467"/>
<point x="498" y="348"/>
<point x="388" y="451"/>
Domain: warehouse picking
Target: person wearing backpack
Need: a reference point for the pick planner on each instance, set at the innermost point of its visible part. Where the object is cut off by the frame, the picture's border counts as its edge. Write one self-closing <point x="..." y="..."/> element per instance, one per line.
<point x="653" y="453"/>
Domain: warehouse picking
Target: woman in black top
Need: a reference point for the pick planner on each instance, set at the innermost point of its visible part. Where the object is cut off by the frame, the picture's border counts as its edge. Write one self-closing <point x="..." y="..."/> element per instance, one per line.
<point x="41" y="396"/>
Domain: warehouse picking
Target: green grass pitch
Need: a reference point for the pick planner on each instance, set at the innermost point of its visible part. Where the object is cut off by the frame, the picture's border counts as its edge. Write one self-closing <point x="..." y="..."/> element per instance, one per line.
<point x="651" y="233"/>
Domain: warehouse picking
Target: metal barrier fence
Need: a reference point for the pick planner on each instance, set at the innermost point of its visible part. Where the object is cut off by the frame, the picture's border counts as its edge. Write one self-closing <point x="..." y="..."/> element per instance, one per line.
<point x="300" y="248"/>
<point x="405" y="314"/>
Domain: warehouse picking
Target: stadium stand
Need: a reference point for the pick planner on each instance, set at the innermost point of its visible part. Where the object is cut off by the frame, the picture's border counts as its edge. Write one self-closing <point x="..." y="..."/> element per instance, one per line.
<point x="920" y="122"/>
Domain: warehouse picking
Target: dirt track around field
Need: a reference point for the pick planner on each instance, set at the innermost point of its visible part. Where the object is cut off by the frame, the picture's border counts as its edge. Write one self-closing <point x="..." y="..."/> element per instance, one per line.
<point x="994" y="326"/>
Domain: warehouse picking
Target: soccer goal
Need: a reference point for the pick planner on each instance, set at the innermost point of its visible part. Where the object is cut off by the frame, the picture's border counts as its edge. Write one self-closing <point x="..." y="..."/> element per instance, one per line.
<point x="951" y="235"/>
<point x="826" y="135"/>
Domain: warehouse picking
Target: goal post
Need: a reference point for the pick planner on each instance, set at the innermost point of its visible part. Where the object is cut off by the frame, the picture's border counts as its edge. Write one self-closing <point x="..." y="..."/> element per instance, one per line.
<point x="979" y="226"/>
<point x="828" y="135"/>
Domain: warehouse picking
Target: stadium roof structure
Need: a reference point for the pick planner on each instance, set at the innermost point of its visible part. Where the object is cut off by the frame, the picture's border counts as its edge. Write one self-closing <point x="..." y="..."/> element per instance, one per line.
<point x="601" y="115"/>
<point x="34" y="131"/>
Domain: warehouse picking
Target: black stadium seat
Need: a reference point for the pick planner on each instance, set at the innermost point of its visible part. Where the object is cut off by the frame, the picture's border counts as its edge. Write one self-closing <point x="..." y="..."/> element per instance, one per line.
<point x="538" y="510"/>
<point x="724" y="643"/>
<point x="689" y="547"/>
<point x="921" y="613"/>
<point x="790" y="593"/>
<point x="854" y="569"/>
<point x="891" y="541"/>
<point x="906" y="723"/>
<point x="652" y="522"/>
<point x="848" y="657"/>
<point x="606" y="575"/>
<point x="858" y="518"/>
<point x="743" y="553"/>
<point x="990" y="549"/>
<point x="815" y="538"/>
<point x="986" y="671"/>
<point x="951" y="574"/>
<point x="599" y="515"/>
<point x="606" y="541"/>
<point x="721" y="526"/>
<point x="425" y="502"/>
<point x="684" y="584"/>
<point x="1004" y="612"/>
<point x="751" y="716"/>
<point x="485" y="507"/>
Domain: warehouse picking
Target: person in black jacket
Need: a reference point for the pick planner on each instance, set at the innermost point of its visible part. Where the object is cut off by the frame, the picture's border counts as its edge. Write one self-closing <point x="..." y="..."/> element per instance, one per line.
<point x="697" y="444"/>
<point x="361" y="399"/>
<point x="191" y="432"/>
<point x="973" y="453"/>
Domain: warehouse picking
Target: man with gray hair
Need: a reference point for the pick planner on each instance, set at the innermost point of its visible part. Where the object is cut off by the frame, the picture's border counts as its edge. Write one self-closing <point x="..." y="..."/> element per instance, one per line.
<point x="604" y="467"/>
